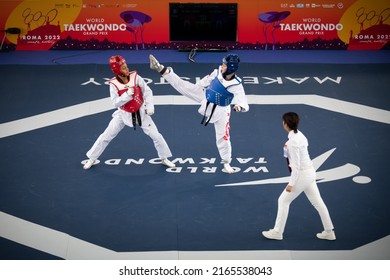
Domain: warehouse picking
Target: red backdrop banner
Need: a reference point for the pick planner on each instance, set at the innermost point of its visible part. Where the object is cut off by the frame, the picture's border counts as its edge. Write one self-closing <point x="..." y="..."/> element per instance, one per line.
<point x="144" y="24"/>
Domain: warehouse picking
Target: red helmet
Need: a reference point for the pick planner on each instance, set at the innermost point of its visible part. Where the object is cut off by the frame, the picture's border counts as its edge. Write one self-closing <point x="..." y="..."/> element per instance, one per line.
<point x="115" y="64"/>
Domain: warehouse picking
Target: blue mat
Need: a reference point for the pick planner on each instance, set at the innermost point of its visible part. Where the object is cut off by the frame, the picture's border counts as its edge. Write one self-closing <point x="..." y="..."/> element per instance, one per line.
<point x="128" y="203"/>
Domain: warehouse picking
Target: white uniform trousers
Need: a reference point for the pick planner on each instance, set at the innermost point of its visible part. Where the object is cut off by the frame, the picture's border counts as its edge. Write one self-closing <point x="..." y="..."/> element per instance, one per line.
<point x="220" y="118"/>
<point x="306" y="183"/>
<point x="121" y="118"/>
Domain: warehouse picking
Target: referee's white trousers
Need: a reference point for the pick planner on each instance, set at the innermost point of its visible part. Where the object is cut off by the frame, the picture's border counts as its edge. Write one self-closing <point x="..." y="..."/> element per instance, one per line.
<point x="306" y="183"/>
<point x="117" y="123"/>
<point x="221" y="116"/>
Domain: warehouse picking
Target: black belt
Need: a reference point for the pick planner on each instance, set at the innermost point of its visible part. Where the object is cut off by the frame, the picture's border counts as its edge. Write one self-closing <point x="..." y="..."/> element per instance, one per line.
<point x="136" y="117"/>
<point x="211" y="114"/>
<point x="288" y="165"/>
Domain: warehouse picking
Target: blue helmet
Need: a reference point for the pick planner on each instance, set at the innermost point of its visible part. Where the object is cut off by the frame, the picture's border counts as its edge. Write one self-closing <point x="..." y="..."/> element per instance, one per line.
<point x="231" y="61"/>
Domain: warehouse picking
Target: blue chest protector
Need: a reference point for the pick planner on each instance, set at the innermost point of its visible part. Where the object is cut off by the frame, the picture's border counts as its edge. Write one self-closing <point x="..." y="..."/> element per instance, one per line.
<point x="218" y="94"/>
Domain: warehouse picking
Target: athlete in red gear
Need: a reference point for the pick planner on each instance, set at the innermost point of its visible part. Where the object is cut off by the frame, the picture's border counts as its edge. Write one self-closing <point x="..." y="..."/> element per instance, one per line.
<point x="134" y="100"/>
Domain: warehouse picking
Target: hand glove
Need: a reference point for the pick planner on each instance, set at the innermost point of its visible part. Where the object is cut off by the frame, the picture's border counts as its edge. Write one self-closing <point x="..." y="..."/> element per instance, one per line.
<point x="149" y="112"/>
<point x="237" y="108"/>
<point x="130" y="91"/>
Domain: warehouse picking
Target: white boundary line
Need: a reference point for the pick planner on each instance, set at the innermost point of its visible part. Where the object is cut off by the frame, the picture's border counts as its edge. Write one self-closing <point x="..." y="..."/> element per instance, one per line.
<point x="102" y="105"/>
<point x="68" y="247"/>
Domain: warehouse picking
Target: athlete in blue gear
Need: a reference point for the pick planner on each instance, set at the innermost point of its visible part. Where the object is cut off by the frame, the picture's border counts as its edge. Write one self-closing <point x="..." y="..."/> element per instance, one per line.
<point x="215" y="93"/>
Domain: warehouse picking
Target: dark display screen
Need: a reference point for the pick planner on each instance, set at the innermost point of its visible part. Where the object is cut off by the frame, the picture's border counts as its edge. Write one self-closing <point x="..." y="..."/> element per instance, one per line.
<point x="203" y="21"/>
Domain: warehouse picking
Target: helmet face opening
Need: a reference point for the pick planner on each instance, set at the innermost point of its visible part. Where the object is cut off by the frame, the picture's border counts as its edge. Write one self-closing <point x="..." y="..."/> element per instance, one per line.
<point x="232" y="62"/>
<point x="115" y="64"/>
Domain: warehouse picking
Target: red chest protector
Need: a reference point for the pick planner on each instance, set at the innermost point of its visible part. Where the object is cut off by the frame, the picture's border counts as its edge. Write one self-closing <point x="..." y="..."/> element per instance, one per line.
<point x="134" y="104"/>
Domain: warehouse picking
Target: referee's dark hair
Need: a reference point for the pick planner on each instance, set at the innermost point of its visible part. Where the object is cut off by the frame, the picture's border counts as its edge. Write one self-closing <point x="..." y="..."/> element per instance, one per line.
<point x="292" y="120"/>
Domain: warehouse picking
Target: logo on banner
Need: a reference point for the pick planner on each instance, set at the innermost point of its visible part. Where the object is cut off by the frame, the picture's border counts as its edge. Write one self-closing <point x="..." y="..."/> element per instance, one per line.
<point x="311" y="26"/>
<point x="94" y="26"/>
<point x="40" y="22"/>
<point x="374" y="29"/>
<point x="366" y="25"/>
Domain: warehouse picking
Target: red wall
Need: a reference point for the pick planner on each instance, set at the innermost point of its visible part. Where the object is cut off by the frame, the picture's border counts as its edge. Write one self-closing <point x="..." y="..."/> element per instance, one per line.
<point x="328" y="24"/>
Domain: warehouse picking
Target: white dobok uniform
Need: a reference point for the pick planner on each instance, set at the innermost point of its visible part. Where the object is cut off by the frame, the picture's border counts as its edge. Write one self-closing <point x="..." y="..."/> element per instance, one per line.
<point x="120" y="117"/>
<point x="302" y="179"/>
<point x="221" y="114"/>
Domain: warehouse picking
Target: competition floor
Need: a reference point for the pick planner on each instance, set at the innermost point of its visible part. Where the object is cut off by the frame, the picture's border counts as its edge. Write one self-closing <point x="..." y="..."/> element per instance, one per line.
<point x="55" y="104"/>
